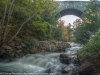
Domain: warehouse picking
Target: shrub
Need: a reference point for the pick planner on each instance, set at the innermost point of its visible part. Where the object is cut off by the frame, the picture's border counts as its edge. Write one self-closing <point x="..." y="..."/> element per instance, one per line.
<point x="92" y="48"/>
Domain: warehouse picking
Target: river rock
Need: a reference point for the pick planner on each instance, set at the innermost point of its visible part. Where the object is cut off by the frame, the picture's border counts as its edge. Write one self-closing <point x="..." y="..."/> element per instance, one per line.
<point x="51" y="46"/>
<point x="86" y="68"/>
<point x="63" y="56"/>
<point x="18" y="49"/>
<point x="75" y="61"/>
<point x="23" y="45"/>
<point x="6" y="47"/>
<point x="65" y="70"/>
<point x="65" y="59"/>
<point x="34" y="51"/>
<point x="48" y="71"/>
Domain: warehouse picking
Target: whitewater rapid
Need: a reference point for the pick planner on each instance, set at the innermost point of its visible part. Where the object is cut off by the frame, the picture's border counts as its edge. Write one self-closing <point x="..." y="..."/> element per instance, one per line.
<point x="37" y="64"/>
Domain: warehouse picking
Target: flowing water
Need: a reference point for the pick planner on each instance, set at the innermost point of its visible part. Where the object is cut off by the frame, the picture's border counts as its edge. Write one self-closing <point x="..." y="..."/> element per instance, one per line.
<point x="40" y="64"/>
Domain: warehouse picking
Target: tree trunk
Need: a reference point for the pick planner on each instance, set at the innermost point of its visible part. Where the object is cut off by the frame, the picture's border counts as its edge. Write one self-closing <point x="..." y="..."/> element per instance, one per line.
<point x="6" y="26"/>
<point x="2" y="25"/>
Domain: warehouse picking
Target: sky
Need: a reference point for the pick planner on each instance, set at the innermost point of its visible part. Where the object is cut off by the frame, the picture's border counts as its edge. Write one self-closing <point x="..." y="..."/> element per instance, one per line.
<point x="69" y="19"/>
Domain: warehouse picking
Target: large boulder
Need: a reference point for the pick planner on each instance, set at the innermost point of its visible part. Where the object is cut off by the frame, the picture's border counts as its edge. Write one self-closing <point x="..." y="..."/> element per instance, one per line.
<point x="86" y="68"/>
<point x="64" y="59"/>
<point x="65" y="70"/>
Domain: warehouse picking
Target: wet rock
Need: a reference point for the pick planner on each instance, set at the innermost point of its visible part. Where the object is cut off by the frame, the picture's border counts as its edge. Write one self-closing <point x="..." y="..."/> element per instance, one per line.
<point x="6" y="47"/>
<point x="61" y="46"/>
<point x="18" y="47"/>
<point x="65" y="59"/>
<point x="86" y="69"/>
<point x="23" y="45"/>
<point x="34" y="51"/>
<point x="18" y="51"/>
<point x="48" y="71"/>
<point x="6" y="52"/>
<point x="51" y="46"/>
<point x="64" y="71"/>
<point x="75" y="61"/>
<point x="63" y="56"/>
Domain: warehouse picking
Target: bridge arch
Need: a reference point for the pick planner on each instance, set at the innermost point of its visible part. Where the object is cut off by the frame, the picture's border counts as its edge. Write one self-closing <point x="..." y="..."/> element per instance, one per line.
<point x="73" y="7"/>
<point x="75" y="12"/>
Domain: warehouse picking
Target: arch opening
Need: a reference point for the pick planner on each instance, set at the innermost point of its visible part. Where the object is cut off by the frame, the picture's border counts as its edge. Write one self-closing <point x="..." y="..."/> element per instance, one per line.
<point x="69" y="19"/>
<point x="71" y="12"/>
<point x="70" y="15"/>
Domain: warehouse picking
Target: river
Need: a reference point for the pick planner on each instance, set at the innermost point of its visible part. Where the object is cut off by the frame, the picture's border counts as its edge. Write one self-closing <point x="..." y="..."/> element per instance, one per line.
<point x="41" y="63"/>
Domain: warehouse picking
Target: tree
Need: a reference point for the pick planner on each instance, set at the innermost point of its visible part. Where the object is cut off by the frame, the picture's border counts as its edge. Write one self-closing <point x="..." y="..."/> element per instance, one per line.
<point x="64" y="31"/>
<point x="4" y="25"/>
<point x="19" y="14"/>
<point x="90" y="16"/>
<point x="90" y="22"/>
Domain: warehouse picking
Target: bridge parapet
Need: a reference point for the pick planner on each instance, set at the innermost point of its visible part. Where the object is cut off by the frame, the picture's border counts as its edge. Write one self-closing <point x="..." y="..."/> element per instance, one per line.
<point x="79" y="5"/>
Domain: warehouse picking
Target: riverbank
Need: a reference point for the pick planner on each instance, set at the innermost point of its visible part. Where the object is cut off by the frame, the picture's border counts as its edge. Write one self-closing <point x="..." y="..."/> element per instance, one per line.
<point x="54" y="49"/>
<point x="58" y="60"/>
<point x="58" y="63"/>
<point x="16" y="50"/>
<point x="91" y="64"/>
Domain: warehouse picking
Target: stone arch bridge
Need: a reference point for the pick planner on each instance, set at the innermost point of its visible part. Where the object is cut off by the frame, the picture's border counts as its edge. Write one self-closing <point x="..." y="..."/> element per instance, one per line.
<point x="73" y="7"/>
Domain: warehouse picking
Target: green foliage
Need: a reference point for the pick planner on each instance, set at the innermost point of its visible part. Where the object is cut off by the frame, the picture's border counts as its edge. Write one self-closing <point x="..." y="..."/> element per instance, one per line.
<point x="28" y="45"/>
<point x="90" y="22"/>
<point x="42" y="26"/>
<point x="81" y="34"/>
<point x="90" y="16"/>
<point x="58" y="33"/>
<point x="92" y="48"/>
